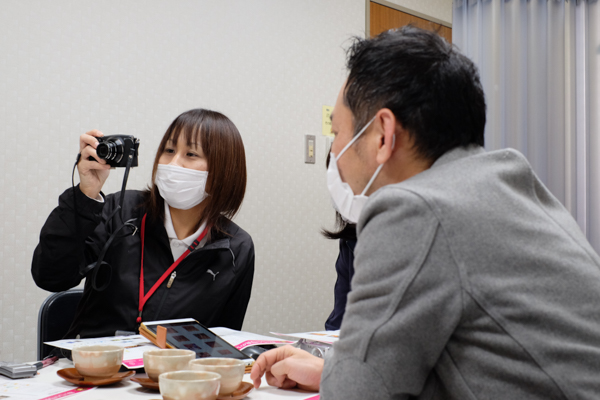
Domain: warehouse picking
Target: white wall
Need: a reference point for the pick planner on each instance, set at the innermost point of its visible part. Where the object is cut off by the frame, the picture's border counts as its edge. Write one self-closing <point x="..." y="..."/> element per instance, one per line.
<point x="130" y="67"/>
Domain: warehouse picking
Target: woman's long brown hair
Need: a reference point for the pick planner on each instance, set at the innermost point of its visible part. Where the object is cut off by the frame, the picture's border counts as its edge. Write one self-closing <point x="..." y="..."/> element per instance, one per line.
<point x="222" y="145"/>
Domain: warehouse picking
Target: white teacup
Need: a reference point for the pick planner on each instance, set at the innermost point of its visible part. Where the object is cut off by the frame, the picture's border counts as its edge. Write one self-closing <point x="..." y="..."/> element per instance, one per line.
<point x="230" y="369"/>
<point x="189" y="385"/>
<point x="157" y="362"/>
<point x="100" y="361"/>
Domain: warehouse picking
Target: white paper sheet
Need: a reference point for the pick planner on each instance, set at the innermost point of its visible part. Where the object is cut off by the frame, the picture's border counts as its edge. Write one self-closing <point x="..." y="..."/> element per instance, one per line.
<point x="30" y="389"/>
<point x="316" y="336"/>
<point x="134" y="345"/>
<point x="240" y="339"/>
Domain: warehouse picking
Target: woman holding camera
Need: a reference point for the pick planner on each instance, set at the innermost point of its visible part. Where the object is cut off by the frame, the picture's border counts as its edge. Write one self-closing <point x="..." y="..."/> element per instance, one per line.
<point x="179" y="256"/>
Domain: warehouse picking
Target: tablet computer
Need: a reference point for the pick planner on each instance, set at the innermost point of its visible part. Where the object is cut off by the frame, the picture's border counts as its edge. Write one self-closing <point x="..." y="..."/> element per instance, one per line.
<point x="189" y="334"/>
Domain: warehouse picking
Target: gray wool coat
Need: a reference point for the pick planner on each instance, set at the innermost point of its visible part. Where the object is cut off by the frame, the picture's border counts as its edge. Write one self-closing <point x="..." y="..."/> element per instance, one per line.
<point x="471" y="282"/>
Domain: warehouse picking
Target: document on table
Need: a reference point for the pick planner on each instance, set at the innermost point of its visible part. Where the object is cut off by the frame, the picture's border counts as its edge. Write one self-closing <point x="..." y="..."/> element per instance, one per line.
<point x="135" y="346"/>
<point x="316" y="336"/>
<point x="240" y="339"/>
<point x="30" y="389"/>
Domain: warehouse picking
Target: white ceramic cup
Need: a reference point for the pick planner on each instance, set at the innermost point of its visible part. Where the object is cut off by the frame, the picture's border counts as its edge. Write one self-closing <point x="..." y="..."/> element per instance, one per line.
<point x="99" y="361"/>
<point x="230" y="369"/>
<point x="189" y="385"/>
<point x="157" y="362"/>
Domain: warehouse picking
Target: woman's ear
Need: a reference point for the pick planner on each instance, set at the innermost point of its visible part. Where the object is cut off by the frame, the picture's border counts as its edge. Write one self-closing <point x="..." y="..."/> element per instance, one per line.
<point x="386" y="119"/>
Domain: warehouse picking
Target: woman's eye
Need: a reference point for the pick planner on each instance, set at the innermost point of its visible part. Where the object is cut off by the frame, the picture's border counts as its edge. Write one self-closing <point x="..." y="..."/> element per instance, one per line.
<point x="169" y="151"/>
<point x="192" y="155"/>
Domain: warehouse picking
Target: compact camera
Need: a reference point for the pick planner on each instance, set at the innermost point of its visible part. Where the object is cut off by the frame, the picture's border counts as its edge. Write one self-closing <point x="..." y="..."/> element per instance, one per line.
<point x="115" y="149"/>
<point x="318" y="349"/>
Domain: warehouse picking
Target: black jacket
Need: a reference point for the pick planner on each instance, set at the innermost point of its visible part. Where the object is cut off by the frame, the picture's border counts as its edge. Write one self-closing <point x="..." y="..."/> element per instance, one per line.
<point x="213" y="300"/>
<point x="345" y="271"/>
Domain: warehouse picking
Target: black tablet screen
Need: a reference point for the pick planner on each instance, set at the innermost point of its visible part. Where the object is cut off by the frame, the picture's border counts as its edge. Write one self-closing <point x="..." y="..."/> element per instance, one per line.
<point x="193" y="336"/>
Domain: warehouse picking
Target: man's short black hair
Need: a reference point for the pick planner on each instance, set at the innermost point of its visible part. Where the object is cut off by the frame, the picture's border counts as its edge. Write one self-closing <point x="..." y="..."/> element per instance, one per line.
<point x="432" y="89"/>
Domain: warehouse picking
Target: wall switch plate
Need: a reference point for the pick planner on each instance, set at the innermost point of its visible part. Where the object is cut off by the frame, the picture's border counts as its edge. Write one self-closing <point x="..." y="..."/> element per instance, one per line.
<point x="309" y="149"/>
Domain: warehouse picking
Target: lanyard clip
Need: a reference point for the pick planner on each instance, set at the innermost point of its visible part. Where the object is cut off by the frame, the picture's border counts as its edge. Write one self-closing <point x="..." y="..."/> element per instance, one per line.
<point x="139" y="318"/>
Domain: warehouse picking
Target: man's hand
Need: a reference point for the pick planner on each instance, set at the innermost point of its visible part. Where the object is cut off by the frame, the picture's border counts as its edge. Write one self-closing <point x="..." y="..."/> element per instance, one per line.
<point x="288" y="367"/>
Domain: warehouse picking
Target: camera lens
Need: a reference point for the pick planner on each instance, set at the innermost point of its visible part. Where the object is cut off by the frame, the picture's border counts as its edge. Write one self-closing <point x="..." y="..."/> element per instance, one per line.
<point x="103" y="150"/>
<point x="110" y="150"/>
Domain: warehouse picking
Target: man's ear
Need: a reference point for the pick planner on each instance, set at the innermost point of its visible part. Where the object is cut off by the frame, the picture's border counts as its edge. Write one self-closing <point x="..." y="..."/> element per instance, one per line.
<point x="386" y="119"/>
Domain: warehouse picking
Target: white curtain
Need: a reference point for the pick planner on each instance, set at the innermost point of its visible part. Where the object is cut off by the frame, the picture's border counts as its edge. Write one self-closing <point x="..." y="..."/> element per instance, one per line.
<point x="539" y="62"/>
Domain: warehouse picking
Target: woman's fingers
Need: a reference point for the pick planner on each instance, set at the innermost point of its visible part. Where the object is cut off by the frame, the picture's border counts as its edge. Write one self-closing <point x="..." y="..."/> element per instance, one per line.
<point x="89" y="139"/>
<point x="88" y="152"/>
<point x="92" y="174"/>
<point x="87" y="147"/>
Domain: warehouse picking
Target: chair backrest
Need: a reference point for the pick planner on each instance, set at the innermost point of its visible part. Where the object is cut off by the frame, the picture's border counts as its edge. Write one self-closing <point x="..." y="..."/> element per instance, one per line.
<point x="55" y="317"/>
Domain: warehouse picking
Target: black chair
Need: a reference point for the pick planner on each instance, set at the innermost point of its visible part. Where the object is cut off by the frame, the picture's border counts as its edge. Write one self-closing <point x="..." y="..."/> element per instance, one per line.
<point x="55" y="317"/>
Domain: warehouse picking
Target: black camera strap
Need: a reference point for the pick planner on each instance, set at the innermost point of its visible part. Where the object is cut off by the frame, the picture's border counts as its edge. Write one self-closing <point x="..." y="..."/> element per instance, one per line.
<point x="101" y="271"/>
<point x="132" y="151"/>
<point x="77" y="224"/>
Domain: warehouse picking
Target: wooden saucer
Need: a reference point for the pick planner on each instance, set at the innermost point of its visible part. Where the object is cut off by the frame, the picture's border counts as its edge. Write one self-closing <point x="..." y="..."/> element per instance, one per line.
<point x="71" y="375"/>
<point x="146" y="382"/>
<point x="239" y="393"/>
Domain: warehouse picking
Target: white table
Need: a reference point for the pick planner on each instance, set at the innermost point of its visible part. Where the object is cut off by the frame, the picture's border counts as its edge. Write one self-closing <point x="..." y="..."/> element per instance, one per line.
<point x="131" y="390"/>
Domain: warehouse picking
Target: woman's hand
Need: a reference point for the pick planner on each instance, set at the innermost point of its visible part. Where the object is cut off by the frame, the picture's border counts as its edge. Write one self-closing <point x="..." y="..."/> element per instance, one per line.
<point x="92" y="174"/>
<point x="288" y="367"/>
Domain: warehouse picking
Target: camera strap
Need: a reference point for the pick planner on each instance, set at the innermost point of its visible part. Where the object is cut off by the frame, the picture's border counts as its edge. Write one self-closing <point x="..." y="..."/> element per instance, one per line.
<point x="102" y="271"/>
<point x="132" y="151"/>
<point x="77" y="223"/>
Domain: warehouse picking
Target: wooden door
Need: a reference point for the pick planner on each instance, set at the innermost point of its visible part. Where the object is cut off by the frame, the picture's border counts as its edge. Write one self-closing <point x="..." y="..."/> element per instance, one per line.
<point x="383" y="18"/>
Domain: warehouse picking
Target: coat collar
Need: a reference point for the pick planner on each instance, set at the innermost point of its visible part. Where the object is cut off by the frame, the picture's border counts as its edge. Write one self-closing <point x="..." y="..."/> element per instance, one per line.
<point x="458" y="153"/>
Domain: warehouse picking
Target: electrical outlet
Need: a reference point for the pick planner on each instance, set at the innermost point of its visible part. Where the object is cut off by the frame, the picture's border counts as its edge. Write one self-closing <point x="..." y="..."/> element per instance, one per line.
<point x="309" y="149"/>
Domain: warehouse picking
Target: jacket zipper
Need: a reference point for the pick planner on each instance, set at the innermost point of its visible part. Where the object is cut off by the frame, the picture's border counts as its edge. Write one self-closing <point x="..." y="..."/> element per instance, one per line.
<point x="162" y="301"/>
<point x="171" y="279"/>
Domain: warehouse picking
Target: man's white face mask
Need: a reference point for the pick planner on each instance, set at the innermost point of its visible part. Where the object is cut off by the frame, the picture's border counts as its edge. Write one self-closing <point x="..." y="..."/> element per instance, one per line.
<point x="344" y="200"/>
<point x="181" y="188"/>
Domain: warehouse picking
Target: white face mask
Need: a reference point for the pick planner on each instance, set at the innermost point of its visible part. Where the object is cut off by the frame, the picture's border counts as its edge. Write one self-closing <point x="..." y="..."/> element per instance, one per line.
<point x="345" y="201"/>
<point x="181" y="188"/>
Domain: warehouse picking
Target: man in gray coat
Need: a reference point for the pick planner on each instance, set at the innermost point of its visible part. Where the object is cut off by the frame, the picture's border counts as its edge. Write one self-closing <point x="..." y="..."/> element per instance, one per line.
<point x="471" y="280"/>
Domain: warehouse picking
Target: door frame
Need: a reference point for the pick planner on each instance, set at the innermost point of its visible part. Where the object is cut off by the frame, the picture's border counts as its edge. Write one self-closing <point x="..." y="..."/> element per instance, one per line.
<point x="399" y="8"/>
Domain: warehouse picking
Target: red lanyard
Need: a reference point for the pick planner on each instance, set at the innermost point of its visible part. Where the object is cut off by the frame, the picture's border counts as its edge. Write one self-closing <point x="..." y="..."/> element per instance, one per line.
<point x="144" y="299"/>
